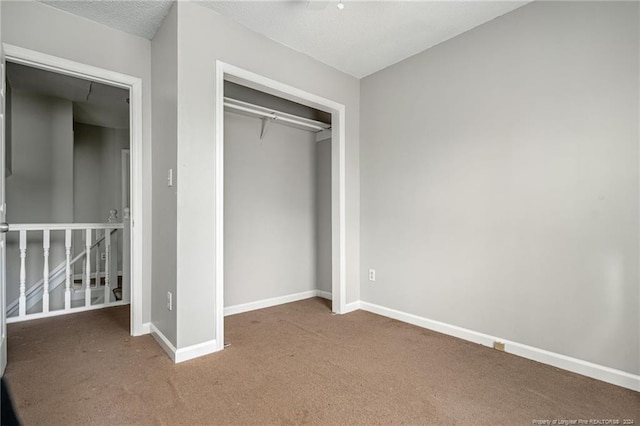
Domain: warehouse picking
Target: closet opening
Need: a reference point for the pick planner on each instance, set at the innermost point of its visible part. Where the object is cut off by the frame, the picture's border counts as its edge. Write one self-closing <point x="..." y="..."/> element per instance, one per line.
<point x="279" y="195"/>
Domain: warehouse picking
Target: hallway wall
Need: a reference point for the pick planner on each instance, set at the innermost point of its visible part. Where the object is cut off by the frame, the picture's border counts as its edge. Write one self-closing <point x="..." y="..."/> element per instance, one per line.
<point x="40" y="188"/>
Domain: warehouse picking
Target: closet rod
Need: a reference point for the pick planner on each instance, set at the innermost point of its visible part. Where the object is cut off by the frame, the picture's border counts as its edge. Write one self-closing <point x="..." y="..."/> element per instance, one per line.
<point x="262" y="112"/>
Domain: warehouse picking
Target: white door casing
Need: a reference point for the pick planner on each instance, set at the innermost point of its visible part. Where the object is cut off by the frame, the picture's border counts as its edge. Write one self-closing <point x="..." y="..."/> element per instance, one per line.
<point x="3" y="236"/>
<point x="134" y="86"/>
<point x="241" y="76"/>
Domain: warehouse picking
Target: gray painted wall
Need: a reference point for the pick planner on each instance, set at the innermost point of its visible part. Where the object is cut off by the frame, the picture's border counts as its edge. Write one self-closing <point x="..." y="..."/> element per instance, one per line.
<point x="41" y="186"/>
<point x="97" y="172"/>
<point x="500" y="181"/>
<point x="85" y="41"/>
<point x="323" y="215"/>
<point x="204" y="37"/>
<point x="269" y="210"/>
<point x="164" y="102"/>
<point x="40" y="189"/>
<point x="97" y="180"/>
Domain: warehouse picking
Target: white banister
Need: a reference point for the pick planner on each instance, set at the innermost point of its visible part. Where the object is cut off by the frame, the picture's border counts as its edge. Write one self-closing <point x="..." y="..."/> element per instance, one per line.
<point x="107" y="267"/>
<point x="53" y="276"/>
<point x="23" y="273"/>
<point x="62" y="226"/>
<point x="87" y="271"/>
<point x="126" y="256"/>
<point x="67" y="281"/>
<point x="46" y="245"/>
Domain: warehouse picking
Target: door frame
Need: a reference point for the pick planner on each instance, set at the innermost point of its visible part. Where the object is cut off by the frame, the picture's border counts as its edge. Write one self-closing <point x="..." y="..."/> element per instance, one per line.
<point x="225" y="71"/>
<point x="58" y="65"/>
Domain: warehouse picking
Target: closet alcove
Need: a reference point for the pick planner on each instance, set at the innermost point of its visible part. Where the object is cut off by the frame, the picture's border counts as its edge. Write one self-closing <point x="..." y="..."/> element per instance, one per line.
<point x="277" y="199"/>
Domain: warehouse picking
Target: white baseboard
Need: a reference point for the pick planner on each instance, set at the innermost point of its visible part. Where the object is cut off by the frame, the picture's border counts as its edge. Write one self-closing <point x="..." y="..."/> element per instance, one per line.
<point x="186" y="353"/>
<point x="195" y="351"/>
<point x="144" y="329"/>
<point x="586" y="368"/>
<point x="324" y="294"/>
<point x="267" y="303"/>
<point x="350" y="307"/>
<point x="163" y="342"/>
<point x="274" y="301"/>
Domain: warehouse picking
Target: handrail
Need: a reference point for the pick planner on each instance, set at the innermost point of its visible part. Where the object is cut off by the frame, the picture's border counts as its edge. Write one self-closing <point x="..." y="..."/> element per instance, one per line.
<point x="62" y="226"/>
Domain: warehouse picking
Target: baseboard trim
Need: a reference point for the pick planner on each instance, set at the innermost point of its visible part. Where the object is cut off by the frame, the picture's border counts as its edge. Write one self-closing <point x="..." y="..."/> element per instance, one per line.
<point x="195" y="351"/>
<point x="324" y="294"/>
<point x="267" y="303"/>
<point x="163" y="342"/>
<point x="183" y="354"/>
<point x="144" y="329"/>
<point x="350" y="307"/>
<point x="585" y="368"/>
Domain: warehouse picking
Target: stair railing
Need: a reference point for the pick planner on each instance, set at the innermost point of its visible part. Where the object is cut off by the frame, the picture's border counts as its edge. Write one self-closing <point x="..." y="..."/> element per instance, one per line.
<point x="52" y="279"/>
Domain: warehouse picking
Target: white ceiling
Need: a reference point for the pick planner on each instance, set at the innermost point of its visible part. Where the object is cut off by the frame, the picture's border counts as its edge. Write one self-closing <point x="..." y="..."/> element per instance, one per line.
<point x="362" y="38"/>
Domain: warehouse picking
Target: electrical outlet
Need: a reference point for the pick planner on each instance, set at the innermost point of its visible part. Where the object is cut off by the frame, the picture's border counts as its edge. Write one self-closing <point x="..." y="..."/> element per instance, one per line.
<point x="372" y="274"/>
<point x="103" y="256"/>
<point x="170" y="178"/>
<point x="169" y="301"/>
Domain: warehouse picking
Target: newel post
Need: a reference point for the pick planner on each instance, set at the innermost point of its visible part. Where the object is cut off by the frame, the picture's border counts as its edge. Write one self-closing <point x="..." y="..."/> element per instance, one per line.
<point x="111" y="263"/>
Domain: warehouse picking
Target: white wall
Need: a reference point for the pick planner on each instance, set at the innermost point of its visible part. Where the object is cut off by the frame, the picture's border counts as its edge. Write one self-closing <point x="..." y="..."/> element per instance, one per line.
<point x="36" y="26"/>
<point x="40" y="189"/>
<point x="269" y="210"/>
<point x="500" y="181"/>
<point x="203" y="37"/>
<point x="164" y="63"/>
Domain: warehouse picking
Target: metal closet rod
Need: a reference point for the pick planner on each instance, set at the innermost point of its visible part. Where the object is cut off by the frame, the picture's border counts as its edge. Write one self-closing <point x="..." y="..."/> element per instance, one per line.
<point x="284" y="117"/>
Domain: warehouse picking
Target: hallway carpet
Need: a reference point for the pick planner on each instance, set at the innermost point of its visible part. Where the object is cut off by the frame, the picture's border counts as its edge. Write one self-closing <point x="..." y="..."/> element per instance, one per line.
<point x="291" y="364"/>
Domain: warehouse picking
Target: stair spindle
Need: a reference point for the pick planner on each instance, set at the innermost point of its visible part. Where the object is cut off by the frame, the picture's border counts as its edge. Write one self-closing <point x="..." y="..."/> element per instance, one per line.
<point x="67" y="287"/>
<point x="98" y="262"/>
<point x="46" y="244"/>
<point x="22" y="310"/>
<point x="107" y="266"/>
<point x="87" y="289"/>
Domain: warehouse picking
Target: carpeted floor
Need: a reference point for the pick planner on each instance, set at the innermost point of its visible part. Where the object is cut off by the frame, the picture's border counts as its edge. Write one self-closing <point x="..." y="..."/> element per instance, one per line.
<point x="291" y="364"/>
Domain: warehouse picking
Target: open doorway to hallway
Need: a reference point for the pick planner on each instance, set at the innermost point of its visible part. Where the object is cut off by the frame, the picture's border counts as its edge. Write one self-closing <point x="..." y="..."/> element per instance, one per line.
<point x="67" y="176"/>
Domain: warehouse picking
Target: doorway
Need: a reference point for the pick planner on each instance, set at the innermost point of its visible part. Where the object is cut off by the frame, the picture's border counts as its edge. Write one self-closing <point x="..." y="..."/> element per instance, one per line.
<point x="229" y="73"/>
<point x="133" y="86"/>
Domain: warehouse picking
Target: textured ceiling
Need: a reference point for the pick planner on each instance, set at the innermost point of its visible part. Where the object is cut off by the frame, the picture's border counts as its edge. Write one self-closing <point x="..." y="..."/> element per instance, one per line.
<point x="365" y="36"/>
<point x="139" y="17"/>
<point x="360" y="39"/>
